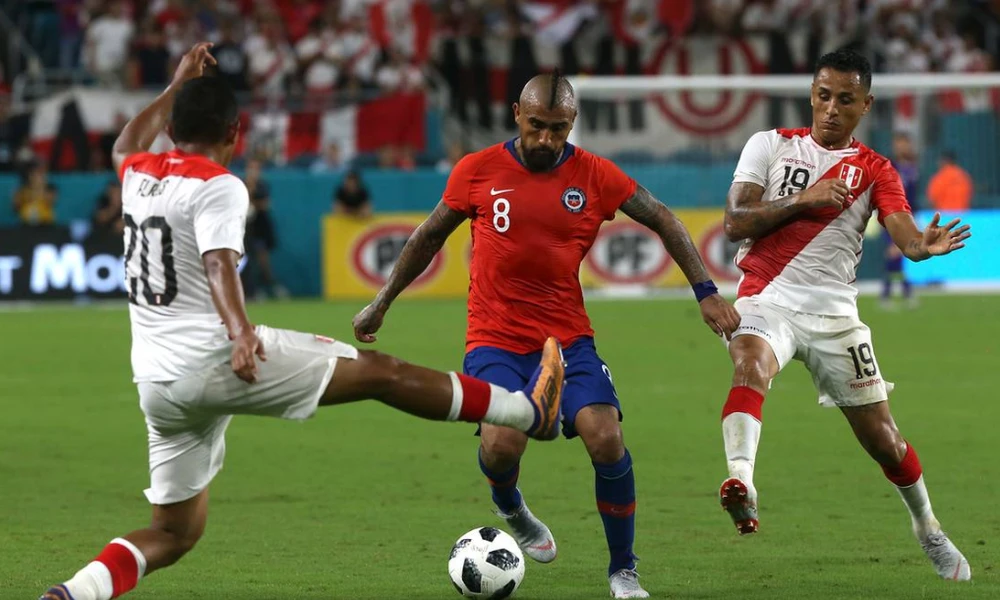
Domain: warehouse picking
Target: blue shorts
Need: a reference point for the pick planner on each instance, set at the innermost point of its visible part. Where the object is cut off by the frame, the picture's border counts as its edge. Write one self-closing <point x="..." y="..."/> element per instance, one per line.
<point x="588" y="379"/>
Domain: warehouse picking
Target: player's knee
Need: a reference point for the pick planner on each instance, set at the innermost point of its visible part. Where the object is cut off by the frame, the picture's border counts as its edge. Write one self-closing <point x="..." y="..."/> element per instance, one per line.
<point x="179" y="543"/>
<point x="605" y="444"/>
<point x="502" y="451"/>
<point x="750" y="369"/>
<point x="886" y="446"/>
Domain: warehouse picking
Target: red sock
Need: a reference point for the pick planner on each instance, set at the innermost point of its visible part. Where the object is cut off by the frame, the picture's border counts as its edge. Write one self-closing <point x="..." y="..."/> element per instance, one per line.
<point x="745" y="400"/>
<point x="123" y="567"/>
<point x="475" y="399"/>
<point x="907" y="472"/>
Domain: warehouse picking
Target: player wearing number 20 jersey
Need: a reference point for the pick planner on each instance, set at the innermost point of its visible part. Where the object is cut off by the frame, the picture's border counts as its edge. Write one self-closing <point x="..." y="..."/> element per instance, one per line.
<point x="197" y="360"/>
<point x="177" y="207"/>
<point x="801" y="200"/>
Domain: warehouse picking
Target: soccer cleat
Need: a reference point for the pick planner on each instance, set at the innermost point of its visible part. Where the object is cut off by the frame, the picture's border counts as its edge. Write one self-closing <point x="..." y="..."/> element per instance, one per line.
<point x="544" y="391"/>
<point x="947" y="560"/>
<point x="532" y="536"/>
<point x="56" y="592"/>
<point x="625" y="584"/>
<point x="740" y="501"/>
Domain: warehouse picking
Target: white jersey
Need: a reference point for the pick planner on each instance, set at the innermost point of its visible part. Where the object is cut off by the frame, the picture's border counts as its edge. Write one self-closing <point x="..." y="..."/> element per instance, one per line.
<point x="810" y="263"/>
<point x="177" y="207"/>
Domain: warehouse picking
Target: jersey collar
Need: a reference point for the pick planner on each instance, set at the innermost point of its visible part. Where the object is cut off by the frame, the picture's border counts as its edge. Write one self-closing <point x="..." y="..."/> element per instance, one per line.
<point x="568" y="151"/>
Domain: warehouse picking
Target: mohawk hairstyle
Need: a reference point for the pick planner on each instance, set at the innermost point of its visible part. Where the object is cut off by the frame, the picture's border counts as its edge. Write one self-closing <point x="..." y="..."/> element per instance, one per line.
<point x="556" y="79"/>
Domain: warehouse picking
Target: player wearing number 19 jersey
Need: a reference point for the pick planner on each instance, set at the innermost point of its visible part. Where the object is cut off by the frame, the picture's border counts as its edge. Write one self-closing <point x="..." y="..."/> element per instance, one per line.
<point x="195" y="354"/>
<point x="536" y="204"/>
<point x="801" y="199"/>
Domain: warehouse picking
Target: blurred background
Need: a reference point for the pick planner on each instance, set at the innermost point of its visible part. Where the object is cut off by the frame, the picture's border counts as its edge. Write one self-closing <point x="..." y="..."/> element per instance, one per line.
<point x="354" y="112"/>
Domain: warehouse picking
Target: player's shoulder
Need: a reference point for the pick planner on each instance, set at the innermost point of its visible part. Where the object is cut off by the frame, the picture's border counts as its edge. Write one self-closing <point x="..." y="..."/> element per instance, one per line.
<point x="590" y="160"/>
<point x="875" y="161"/>
<point x="175" y="164"/>
<point x="474" y="162"/>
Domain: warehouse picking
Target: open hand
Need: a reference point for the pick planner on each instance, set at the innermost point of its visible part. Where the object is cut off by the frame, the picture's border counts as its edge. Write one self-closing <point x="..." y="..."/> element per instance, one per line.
<point x="720" y="315"/>
<point x="939" y="241"/>
<point x="246" y="349"/>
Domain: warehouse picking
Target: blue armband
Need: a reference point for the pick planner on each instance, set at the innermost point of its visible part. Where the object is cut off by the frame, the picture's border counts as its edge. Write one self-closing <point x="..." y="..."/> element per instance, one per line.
<point x="704" y="290"/>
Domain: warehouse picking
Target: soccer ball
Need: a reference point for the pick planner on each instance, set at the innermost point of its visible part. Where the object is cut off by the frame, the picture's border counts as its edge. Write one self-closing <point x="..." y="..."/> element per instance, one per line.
<point x="486" y="563"/>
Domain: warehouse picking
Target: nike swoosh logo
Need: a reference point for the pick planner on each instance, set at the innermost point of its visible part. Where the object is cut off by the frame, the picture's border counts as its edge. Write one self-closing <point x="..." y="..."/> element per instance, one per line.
<point x="494" y="191"/>
<point x="543" y="548"/>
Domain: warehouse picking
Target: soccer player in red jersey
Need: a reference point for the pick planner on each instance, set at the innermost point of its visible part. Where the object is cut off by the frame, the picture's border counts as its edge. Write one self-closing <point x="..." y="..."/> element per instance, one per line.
<point x="536" y="204"/>
<point x="801" y="200"/>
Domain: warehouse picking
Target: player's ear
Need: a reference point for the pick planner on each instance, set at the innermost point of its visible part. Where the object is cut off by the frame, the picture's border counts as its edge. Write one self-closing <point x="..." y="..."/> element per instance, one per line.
<point x="233" y="134"/>
<point x="517" y="112"/>
<point x="869" y="101"/>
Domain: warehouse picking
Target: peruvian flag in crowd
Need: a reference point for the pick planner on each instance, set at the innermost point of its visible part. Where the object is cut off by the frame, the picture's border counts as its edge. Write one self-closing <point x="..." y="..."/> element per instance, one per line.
<point x="394" y="120"/>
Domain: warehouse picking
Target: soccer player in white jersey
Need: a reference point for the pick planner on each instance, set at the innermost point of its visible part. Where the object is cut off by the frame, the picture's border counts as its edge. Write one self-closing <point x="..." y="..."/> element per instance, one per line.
<point x="196" y="358"/>
<point x="800" y="200"/>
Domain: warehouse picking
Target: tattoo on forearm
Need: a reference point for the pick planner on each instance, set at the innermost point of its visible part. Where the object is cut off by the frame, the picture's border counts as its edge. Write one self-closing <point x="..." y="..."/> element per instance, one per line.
<point x="419" y="251"/>
<point x="748" y="217"/>
<point x="643" y="208"/>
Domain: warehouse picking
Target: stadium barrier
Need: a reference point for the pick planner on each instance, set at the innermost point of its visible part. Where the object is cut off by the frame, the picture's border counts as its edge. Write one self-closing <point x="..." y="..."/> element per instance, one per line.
<point x="358" y="256"/>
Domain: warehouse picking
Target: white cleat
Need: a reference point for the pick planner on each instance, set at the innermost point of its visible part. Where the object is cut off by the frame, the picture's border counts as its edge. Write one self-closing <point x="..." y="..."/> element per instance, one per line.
<point x="533" y="537"/>
<point x="947" y="560"/>
<point x="625" y="584"/>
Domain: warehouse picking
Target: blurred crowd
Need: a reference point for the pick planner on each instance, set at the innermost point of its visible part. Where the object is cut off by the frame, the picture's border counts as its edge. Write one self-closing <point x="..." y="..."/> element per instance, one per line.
<point x="268" y="46"/>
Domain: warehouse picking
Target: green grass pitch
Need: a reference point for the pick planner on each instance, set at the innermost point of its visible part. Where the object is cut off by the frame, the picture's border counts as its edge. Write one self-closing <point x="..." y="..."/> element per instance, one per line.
<point x="364" y="503"/>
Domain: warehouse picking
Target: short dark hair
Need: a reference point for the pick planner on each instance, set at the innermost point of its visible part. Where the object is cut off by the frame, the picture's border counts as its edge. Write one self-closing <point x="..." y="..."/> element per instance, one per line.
<point x="204" y="111"/>
<point x="846" y="60"/>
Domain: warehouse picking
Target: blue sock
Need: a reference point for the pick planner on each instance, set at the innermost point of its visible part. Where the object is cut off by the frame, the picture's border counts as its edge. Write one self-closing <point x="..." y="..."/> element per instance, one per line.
<point x="504" y="485"/>
<point x="614" y="486"/>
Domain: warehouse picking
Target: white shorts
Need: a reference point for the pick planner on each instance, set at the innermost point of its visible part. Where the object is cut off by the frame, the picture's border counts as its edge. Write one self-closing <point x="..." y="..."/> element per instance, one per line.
<point x="837" y="350"/>
<point x="187" y="418"/>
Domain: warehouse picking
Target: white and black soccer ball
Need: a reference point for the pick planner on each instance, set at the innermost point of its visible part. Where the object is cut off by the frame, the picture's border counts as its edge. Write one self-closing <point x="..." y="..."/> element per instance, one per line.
<point x="486" y="563"/>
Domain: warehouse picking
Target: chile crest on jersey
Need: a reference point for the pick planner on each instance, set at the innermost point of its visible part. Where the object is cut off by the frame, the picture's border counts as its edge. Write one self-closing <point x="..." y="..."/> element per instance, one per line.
<point x="574" y="199"/>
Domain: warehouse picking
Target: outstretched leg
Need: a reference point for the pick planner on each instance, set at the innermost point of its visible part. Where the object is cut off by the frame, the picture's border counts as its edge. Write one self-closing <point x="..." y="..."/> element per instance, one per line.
<point x="875" y="429"/>
<point x="172" y="533"/>
<point x="430" y="394"/>
<point x="754" y="366"/>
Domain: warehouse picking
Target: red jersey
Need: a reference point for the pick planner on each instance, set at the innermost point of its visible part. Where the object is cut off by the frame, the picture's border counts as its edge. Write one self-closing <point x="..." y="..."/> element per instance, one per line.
<point x="530" y="232"/>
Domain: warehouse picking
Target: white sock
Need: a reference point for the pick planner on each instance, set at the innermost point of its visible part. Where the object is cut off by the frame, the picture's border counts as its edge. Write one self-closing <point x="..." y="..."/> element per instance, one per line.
<point x="92" y="582"/>
<point x="456" y="397"/>
<point x="510" y="409"/>
<point x="741" y="434"/>
<point x="919" y="504"/>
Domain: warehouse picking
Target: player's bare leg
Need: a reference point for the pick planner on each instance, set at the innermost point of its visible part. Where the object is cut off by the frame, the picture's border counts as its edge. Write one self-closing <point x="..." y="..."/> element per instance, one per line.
<point x="875" y="429"/>
<point x="535" y="410"/>
<point x="614" y="487"/>
<point x="754" y="366"/>
<point x="172" y="533"/>
<point x="500" y="452"/>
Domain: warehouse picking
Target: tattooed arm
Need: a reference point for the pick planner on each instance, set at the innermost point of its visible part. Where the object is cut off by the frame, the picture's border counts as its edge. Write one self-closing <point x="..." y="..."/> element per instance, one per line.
<point x="643" y="208"/>
<point x="748" y="216"/>
<point x="646" y="210"/>
<point x="416" y="255"/>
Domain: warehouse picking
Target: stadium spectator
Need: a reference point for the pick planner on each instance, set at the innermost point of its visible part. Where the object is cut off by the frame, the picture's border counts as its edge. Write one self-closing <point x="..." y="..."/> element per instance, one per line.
<point x="271" y="59"/>
<point x="299" y="16"/>
<point x="950" y="189"/>
<point x="398" y="75"/>
<point x="108" y="38"/>
<point x="331" y="161"/>
<point x="13" y="132"/>
<point x="231" y="59"/>
<point x="150" y="61"/>
<point x="35" y="199"/>
<point x="258" y="277"/>
<point x="320" y="58"/>
<point x="351" y="198"/>
<point x="456" y="150"/>
<point x="107" y="219"/>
